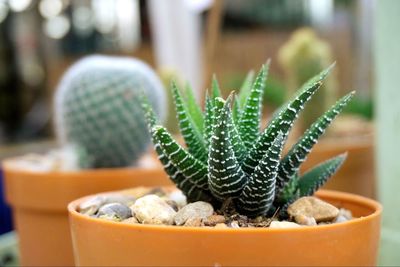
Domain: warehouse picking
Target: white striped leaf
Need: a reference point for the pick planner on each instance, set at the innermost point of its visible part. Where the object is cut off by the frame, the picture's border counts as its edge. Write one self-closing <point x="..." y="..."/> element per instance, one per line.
<point x="238" y="146"/>
<point x="250" y="117"/>
<point x="208" y="120"/>
<point x="290" y="164"/>
<point x="283" y="121"/>
<point x="259" y="193"/>
<point x="192" y="192"/>
<point x="225" y="176"/>
<point x="191" y="168"/>
<point x="193" y="108"/>
<point x="312" y="180"/>
<point x="245" y="88"/>
<point x="189" y="131"/>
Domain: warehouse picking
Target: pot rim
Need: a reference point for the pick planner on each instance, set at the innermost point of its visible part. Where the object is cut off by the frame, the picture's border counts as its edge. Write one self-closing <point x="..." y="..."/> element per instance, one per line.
<point x="374" y="206"/>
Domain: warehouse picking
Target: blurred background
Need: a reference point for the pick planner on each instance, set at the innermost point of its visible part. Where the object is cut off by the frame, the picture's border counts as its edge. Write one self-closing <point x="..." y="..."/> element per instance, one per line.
<point x="188" y="40"/>
<point x="39" y="39"/>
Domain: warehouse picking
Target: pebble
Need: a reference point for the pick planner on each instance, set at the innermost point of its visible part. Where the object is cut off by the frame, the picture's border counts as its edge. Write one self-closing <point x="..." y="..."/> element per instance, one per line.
<point x="346" y="213"/>
<point x="283" y="224"/>
<point x="173" y="204"/>
<point x="193" y="222"/>
<point x="151" y="209"/>
<point x="344" y="216"/>
<point x="313" y="207"/>
<point x="157" y="191"/>
<point x="92" y="205"/>
<point x="197" y="209"/>
<point x="178" y="197"/>
<point x="131" y="220"/>
<point x="304" y="220"/>
<point x="221" y="225"/>
<point x="234" y="224"/>
<point x="115" y="212"/>
<point x="214" y="220"/>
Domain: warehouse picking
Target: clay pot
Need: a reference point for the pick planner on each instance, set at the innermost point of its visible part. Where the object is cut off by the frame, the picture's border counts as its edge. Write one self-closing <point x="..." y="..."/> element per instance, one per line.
<point x="105" y="243"/>
<point x="39" y="204"/>
<point x="357" y="175"/>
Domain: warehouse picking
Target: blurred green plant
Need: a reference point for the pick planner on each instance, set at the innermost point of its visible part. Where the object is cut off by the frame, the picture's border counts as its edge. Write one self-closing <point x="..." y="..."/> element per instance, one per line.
<point x="301" y="57"/>
<point x="98" y="110"/>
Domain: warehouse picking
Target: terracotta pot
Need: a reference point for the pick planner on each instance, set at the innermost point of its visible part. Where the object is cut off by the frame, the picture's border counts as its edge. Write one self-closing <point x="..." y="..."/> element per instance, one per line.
<point x="39" y="204"/>
<point x="357" y="175"/>
<point x="104" y="243"/>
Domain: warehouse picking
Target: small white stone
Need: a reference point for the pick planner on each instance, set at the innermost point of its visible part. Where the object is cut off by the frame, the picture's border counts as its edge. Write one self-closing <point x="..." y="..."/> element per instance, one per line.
<point x="197" y="209"/>
<point x="304" y="220"/>
<point x="340" y="219"/>
<point x="151" y="209"/>
<point x="178" y="197"/>
<point x="344" y="215"/>
<point x="235" y="225"/>
<point x="283" y="224"/>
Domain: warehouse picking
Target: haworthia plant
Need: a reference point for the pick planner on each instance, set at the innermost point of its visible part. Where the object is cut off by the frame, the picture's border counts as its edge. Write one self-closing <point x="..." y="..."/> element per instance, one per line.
<point x="228" y="158"/>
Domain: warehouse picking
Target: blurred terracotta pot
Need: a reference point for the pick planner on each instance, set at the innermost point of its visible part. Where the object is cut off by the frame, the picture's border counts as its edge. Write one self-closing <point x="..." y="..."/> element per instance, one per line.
<point x="357" y="175"/>
<point x="105" y="243"/>
<point x="39" y="204"/>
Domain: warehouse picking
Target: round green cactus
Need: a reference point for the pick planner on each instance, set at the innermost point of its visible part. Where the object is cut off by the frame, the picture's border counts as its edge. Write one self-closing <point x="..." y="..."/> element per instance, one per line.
<point x="98" y="109"/>
<point x="301" y="57"/>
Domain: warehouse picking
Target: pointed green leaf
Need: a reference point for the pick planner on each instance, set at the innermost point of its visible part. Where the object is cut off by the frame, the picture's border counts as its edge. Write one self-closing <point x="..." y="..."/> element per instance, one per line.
<point x="189" y="188"/>
<point x="148" y="111"/>
<point x="191" y="168"/>
<point x="193" y="108"/>
<point x="216" y="91"/>
<point x="208" y="120"/>
<point x="258" y="195"/>
<point x="245" y="88"/>
<point x="250" y="118"/>
<point x="226" y="178"/>
<point x="283" y="121"/>
<point x="238" y="146"/>
<point x="236" y="111"/>
<point x="312" y="180"/>
<point x="189" y="131"/>
<point x="299" y="152"/>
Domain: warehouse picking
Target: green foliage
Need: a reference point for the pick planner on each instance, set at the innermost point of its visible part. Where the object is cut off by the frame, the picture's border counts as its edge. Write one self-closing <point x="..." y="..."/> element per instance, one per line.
<point x="98" y="110"/>
<point x="231" y="159"/>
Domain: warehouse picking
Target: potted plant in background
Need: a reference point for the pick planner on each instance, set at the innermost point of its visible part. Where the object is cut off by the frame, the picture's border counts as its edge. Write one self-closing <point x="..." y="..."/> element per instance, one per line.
<point x="302" y="56"/>
<point x="248" y="206"/>
<point x="103" y="136"/>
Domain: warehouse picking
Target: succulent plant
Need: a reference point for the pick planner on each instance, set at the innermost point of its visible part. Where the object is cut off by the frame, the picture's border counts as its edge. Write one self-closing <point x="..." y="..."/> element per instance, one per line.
<point x="301" y="57"/>
<point x="98" y="109"/>
<point x="229" y="159"/>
